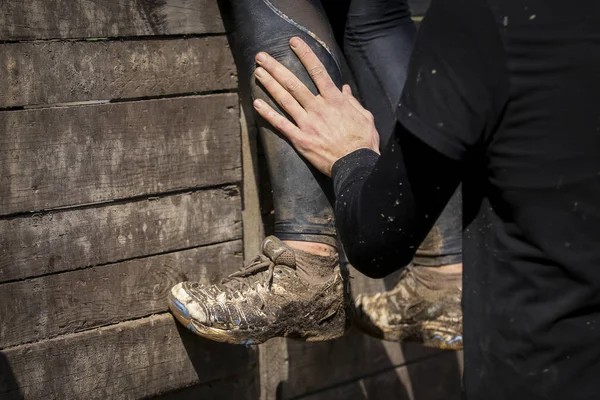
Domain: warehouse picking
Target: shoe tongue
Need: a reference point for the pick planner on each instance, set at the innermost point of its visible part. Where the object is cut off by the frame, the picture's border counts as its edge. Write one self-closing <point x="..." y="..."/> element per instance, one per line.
<point x="278" y="252"/>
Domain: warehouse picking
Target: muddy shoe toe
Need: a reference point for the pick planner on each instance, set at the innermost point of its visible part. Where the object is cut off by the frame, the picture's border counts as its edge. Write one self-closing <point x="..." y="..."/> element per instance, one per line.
<point x="270" y="297"/>
<point x="414" y="311"/>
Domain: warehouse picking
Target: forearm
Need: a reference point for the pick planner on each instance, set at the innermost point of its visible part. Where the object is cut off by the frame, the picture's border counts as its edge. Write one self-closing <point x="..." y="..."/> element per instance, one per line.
<point x="385" y="206"/>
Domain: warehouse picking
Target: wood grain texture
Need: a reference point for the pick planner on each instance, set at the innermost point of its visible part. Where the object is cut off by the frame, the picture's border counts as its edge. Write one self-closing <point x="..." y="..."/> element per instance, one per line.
<point x="239" y="387"/>
<point x="431" y="379"/>
<point x="71" y="239"/>
<point x="58" y="157"/>
<point x="130" y="360"/>
<point x="54" y="19"/>
<point x="61" y="72"/>
<point x="315" y="366"/>
<point x="84" y="299"/>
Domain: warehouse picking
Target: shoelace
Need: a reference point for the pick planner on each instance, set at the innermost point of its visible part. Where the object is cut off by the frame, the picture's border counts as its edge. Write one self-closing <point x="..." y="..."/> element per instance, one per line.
<point x="259" y="264"/>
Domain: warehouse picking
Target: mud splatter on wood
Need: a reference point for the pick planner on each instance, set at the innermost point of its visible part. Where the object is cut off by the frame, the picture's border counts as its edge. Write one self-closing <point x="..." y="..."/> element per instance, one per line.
<point x="67" y="19"/>
<point x="84" y="299"/>
<point x="131" y="360"/>
<point x="71" y="239"/>
<point x="78" y="155"/>
<point x="37" y="73"/>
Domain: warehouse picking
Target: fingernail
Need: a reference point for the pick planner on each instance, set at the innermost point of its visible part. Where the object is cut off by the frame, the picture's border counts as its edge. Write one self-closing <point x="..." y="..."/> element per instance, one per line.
<point x="259" y="72"/>
<point x="257" y="104"/>
<point x="261" y="57"/>
<point x="295" y="42"/>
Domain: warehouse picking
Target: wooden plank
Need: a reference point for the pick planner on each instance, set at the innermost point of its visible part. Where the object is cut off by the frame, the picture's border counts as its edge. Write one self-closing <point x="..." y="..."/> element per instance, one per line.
<point x="53" y="19"/>
<point x="126" y="361"/>
<point x="70" y="239"/>
<point x="59" y="157"/>
<point x="242" y="387"/>
<point x="44" y="19"/>
<point x="92" y="297"/>
<point x="254" y="232"/>
<point x="36" y="73"/>
<point x="434" y="378"/>
<point x="314" y="366"/>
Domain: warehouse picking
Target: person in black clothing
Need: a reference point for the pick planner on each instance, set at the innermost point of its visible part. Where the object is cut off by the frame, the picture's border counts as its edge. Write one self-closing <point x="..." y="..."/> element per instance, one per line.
<point x="295" y="288"/>
<point x="425" y="303"/>
<point x="503" y="95"/>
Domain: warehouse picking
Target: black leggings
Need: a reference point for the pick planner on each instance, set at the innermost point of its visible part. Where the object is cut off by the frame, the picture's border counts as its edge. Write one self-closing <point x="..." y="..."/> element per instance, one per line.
<point x="378" y="42"/>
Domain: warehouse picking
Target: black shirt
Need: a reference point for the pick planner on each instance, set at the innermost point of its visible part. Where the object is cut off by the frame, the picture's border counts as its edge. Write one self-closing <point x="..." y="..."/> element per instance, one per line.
<point x="505" y="96"/>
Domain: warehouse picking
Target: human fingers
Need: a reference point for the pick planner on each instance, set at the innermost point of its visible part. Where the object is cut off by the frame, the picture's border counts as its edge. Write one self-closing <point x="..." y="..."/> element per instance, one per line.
<point x="286" y="79"/>
<point x="315" y="68"/>
<point x="347" y="91"/>
<point x="281" y="96"/>
<point x="278" y="121"/>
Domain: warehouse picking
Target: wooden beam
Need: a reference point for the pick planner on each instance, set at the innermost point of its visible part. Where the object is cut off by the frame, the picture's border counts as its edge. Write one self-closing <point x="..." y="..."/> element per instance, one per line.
<point x="62" y="72"/>
<point x="56" y="19"/>
<point x="239" y="387"/>
<point x="59" y="157"/>
<point x="315" y="366"/>
<point x="92" y="297"/>
<point x="131" y="360"/>
<point x="436" y="377"/>
<point x="71" y="239"/>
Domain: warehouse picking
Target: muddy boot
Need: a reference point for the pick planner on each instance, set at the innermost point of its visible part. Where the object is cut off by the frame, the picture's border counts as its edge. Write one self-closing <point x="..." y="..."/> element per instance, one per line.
<point x="425" y="306"/>
<point x="283" y="292"/>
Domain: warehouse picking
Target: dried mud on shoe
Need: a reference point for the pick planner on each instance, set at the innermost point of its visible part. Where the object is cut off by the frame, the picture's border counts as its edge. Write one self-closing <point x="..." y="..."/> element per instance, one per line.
<point x="413" y="311"/>
<point x="267" y="298"/>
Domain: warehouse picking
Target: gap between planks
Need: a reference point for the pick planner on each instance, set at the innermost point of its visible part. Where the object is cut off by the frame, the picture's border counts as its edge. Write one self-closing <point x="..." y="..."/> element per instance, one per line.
<point x="106" y="203"/>
<point x="64" y="241"/>
<point x="116" y="101"/>
<point x="176" y="36"/>
<point x="229" y="240"/>
<point x="140" y="350"/>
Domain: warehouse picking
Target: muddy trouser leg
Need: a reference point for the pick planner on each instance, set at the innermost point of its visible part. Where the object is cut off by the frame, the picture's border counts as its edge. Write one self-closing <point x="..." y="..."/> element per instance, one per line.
<point x="302" y="196"/>
<point x="378" y="43"/>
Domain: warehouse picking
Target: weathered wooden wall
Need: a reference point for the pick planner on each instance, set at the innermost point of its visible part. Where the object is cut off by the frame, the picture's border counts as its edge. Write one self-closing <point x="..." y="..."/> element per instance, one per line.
<point x="120" y="175"/>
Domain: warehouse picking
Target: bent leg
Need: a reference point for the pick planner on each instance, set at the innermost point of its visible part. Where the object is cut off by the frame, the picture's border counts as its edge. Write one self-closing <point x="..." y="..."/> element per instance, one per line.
<point x="302" y="196"/>
<point x="378" y="43"/>
<point x="291" y="289"/>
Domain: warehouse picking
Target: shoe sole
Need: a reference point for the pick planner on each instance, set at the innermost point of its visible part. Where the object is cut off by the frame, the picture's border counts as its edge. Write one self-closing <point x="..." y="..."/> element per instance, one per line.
<point x="440" y="337"/>
<point x="430" y="334"/>
<point x="218" y="335"/>
<point x="237" y="336"/>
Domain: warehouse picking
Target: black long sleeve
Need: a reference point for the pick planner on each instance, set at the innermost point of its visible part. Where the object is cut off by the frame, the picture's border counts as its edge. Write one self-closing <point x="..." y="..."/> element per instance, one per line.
<point x="386" y="205"/>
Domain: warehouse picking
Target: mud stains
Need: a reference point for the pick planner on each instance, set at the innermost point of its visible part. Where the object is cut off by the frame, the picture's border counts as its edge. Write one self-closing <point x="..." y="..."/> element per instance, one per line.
<point x="153" y="13"/>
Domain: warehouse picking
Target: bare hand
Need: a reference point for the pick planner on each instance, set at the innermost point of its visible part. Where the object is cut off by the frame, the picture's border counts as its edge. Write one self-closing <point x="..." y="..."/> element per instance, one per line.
<point x="327" y="126"/>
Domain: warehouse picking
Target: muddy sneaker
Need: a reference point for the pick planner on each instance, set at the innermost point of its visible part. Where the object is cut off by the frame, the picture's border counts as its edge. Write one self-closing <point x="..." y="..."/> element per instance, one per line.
<point x="284" y="292"/>
<point x="424" y="306"/>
